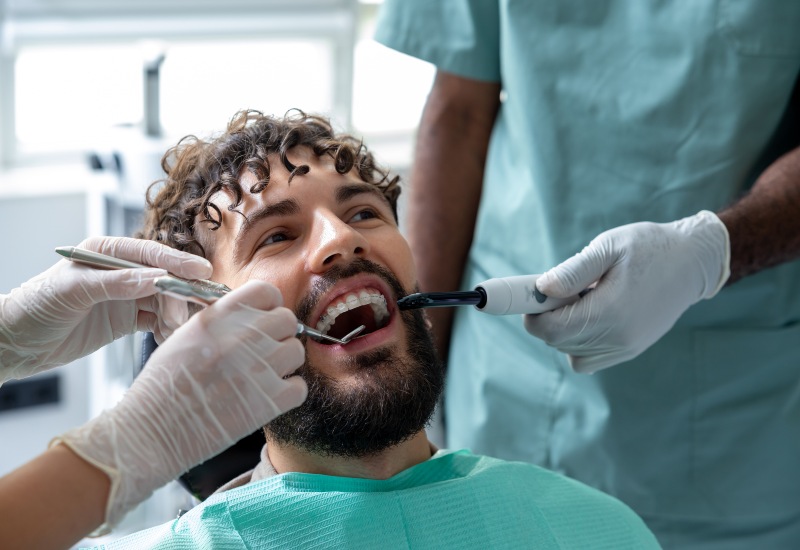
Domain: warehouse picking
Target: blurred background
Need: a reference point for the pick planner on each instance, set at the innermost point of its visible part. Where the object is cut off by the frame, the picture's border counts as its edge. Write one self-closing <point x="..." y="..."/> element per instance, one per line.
<point x="92" y="92"/>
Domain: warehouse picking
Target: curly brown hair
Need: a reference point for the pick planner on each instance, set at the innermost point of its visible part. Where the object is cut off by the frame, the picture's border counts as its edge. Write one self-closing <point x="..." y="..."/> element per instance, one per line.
<point x="198" y="169"/>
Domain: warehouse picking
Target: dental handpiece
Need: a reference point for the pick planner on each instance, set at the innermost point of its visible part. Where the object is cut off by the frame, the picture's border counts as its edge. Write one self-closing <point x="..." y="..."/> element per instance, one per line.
<point x="500" y="296"/>
<point x="201" y="287"/>
<point x="197" y="291"/>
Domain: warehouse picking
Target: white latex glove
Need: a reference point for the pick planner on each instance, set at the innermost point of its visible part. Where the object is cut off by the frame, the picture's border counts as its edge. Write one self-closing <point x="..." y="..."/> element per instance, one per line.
<point x="647" y="276"/>
<point x="217" y="379"/>
<point x="71" y="310"/>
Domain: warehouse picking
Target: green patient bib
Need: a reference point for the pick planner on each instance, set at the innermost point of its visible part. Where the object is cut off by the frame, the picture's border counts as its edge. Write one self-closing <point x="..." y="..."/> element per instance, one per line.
<point x="618" y="111"/>
<point x="454" y="500"/>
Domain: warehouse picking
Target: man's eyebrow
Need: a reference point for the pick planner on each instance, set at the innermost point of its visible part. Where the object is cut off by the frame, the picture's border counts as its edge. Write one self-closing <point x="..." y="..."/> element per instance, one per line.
<point x="347" y="192"/>
<point x="286" y="207"/>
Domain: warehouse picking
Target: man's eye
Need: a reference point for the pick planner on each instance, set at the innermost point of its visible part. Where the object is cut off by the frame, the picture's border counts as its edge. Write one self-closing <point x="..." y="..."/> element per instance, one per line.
<point x="275" y="238"/>
<point x="362" y="215"/>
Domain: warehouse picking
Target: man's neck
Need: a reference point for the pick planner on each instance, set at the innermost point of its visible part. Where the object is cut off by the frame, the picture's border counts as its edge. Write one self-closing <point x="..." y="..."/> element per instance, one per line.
<point x="392" y="461"/>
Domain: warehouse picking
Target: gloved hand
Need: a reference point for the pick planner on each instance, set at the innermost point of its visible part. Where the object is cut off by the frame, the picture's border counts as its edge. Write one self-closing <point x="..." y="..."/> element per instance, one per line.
<point x="217" y="379"/>
<point x="71" y="310"/>
<point x="647" y="276"/>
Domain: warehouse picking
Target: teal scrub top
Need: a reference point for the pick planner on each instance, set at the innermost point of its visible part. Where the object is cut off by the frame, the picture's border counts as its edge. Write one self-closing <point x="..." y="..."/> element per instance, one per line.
<point x="618" y="111"/>
<point x="454" y="500"/>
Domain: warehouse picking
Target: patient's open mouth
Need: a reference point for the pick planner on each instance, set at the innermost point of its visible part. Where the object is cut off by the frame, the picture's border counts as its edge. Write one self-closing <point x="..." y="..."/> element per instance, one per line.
<point x="363" y="307"/>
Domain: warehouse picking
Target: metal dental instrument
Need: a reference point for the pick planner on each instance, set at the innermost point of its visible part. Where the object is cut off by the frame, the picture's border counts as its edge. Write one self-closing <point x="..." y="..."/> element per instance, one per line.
<point x="501" y="296"/>
<point x="314" y="333"/>
<point x="198" y="291"/>
<point x="95" y="259"/>
<point x="179" y="289"/>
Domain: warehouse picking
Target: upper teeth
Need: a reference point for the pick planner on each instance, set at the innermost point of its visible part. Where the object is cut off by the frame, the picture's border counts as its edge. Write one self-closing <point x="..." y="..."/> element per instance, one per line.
<point x="364" y="297"/>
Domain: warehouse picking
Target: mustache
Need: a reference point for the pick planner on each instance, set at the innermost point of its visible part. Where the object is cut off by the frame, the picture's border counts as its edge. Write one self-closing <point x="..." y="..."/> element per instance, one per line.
<point x="335" y="274"/>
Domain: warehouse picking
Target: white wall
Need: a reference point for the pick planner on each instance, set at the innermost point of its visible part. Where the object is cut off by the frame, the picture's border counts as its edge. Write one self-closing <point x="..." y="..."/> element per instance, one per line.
<point x="31" y="227"/>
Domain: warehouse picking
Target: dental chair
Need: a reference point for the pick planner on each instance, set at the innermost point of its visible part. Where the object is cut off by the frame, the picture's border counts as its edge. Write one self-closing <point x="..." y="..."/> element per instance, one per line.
<point x="202" y="480"/>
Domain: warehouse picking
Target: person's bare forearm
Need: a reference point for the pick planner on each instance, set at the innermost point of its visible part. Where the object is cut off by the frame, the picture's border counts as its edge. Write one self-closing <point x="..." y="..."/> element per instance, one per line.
<point x="446" y="184"/>
<point x="764" y="226"/>
<point x="52" y="501"/>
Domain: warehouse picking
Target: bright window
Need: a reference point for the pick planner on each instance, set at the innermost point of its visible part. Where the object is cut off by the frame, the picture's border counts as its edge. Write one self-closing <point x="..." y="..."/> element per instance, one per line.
<point x="67" y="95"/>
<point x="204" y="84"/>
<point x="75" y="74"/>
<point x="389" y="89"/>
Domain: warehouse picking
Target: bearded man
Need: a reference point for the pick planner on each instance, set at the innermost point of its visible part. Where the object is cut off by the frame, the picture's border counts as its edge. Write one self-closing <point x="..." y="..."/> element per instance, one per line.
<point x="291" y="202"/>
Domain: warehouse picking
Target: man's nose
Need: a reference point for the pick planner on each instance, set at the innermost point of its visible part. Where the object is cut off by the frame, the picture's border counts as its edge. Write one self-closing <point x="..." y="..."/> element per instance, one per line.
<point x="334" y="242"/>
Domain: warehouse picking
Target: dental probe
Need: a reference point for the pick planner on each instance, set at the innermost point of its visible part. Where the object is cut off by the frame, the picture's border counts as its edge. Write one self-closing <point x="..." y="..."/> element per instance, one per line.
<point x="198" y="291"/>
<point x="501" y="296"/>
<point x="182" y="290"/>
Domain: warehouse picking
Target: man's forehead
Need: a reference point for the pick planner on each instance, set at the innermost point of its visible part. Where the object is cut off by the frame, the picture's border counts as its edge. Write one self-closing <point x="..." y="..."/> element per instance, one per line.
<point x="284" y="198"/>
<point x="277" y="189"/>
<point x="234" y="214"/>
<point x="335" y="186"/>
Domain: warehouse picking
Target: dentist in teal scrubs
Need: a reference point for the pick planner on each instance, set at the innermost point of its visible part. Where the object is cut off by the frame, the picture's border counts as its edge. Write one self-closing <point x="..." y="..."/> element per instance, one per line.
<point x="650" y="148"/>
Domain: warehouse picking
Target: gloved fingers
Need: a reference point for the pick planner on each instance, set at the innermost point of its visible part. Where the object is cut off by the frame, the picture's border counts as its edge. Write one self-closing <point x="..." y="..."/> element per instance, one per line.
<point x="254" y="293"/>
<point x="146" y="252"/>
<point x="287" y="357"/>
<point x="272" y="400"/>
<point x="77" y="288"/>
<point x="147" y="321"/>
<point x="279" y="324"/>
<point x="547" y="326"/>
<point x="601" y="356"/>
<point x="255" y="309"/>
<point x="123" y="284"/>
<point x="566" y="324"/>
<point x="226" y="396"/>
<point x="170" y="313"/>
<point x="580" y="271"/>
<point x="158" y="336"/>
<point x="246" y="335"/>
<point x="198" y="394"/>
<point x="589" y="364"/>
<point x="265" y="360"/>
<point x="229" y="346"/>
<point x="580" y="332"/>
<point x="293" y="394"/>
<point x="647" y="275"/>
<point x="173" y="312"/>
<point x="553" y="329"/>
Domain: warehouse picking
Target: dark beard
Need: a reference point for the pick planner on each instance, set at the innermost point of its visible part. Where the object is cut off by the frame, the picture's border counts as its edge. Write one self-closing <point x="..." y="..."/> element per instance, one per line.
<point x="394" y="400"/>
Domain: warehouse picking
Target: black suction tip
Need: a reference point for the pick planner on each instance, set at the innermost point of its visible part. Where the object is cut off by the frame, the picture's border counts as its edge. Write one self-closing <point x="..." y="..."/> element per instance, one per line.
<point x="441" y="299"/>
<point x="413" y="301"/>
